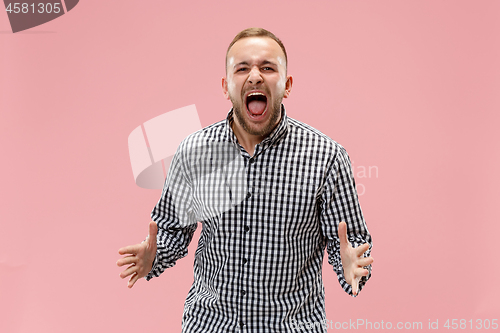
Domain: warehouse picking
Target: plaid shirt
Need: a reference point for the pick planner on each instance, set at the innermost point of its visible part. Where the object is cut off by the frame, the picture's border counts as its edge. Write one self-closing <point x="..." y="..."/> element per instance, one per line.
<point x="266" y="220"/>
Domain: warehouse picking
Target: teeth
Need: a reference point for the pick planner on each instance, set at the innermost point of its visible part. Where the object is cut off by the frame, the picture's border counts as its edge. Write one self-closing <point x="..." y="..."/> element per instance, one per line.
<point x="256" y="94"/>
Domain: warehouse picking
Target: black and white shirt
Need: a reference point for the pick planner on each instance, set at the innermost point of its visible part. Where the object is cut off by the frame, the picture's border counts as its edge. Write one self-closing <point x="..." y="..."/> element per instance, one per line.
<point x="266" y="220"/>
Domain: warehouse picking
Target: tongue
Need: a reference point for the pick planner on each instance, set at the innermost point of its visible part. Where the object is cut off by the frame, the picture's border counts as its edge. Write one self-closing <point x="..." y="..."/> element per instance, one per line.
<point x="256" y="107"/>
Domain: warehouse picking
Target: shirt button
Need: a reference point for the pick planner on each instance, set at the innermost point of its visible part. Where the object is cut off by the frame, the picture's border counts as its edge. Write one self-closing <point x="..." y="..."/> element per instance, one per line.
<point x="244" y="261"/>
<point x="252" y="161"/>
<point x="242" y="324"/>
<point x="247" y="228"/>
<point x="243" y="292"/>
<point x="249" y="195"/>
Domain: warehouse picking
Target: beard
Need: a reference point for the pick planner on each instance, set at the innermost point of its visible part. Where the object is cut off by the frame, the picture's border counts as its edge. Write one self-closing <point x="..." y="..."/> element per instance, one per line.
<point x="274" y="117"/>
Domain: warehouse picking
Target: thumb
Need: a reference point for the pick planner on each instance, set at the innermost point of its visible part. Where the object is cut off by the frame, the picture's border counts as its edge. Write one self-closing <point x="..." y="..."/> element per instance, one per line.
<point x="343" y="234"/>
<point x="153" y="231"/>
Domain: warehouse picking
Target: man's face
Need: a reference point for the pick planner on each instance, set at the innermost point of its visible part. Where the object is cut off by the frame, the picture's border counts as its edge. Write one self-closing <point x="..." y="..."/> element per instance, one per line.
<point x="256" y="83"/>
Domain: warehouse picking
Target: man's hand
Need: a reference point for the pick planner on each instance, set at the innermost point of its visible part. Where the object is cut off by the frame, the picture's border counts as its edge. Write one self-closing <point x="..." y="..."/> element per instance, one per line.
<point x="352" y="259"/>
<point x="140" y="257"/>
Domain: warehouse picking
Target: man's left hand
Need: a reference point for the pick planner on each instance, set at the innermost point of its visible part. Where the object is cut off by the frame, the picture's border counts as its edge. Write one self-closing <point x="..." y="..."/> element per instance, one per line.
<point x="352" y="259"/>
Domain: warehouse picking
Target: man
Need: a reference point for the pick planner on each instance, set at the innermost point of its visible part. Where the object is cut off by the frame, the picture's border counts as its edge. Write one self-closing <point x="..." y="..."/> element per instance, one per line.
<point x="271" y="193"/>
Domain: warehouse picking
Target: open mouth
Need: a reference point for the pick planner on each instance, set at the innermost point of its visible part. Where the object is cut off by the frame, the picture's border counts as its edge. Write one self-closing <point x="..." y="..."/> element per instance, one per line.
<point x="256" y="103"/>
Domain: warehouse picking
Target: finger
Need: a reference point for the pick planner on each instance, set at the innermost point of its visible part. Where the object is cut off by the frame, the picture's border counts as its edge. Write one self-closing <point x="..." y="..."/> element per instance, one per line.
<point x="131" y="249"/>
<point x="360" y="272"/>
<point x="127" y="261"/>
<point x="133" y="280"/>
<point x="362" y="249"/>
<point x="364" y="261"/>
<point x="129" y="271"/>
<point x="355" y="285"/>
<point x="153" y="231"/>
<point x="343" y="234"/>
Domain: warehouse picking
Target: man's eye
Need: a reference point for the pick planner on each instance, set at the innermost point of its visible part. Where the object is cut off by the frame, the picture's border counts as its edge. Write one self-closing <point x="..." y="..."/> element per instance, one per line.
<point x="267" y="69"/>
<point x="241" y="69"/>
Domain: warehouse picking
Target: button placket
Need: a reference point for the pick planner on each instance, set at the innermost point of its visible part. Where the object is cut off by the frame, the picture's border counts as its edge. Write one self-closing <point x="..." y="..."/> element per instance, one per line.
<point x="249" y="164"/>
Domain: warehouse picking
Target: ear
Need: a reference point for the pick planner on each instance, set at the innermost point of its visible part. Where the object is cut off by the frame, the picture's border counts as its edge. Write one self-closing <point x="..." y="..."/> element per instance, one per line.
<point x="288" y="86"/>
<point x="224" y="88"/>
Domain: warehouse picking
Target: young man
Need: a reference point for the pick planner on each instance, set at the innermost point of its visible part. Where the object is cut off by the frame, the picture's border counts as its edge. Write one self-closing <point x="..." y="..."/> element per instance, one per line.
<point x="271" y="193"/>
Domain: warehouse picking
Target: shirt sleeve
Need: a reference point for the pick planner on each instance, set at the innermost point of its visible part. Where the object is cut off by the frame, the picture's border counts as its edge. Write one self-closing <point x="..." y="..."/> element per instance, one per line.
<point x="339" y="202"/>
<point x="173" y="215"/>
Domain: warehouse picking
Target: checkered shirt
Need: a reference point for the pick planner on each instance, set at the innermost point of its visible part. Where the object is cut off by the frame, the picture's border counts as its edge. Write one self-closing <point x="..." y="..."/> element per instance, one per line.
<point x="266" y="220"/>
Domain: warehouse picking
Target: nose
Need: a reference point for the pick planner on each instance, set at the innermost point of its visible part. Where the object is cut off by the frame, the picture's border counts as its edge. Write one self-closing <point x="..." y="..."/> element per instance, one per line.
<point x="254" y="76"/>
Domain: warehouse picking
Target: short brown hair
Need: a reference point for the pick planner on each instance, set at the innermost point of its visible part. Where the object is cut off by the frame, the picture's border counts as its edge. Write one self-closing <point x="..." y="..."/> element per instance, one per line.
<point x="257" y="32"/>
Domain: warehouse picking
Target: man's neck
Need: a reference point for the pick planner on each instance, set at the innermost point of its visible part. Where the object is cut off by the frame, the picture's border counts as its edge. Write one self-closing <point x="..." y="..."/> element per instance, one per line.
<point x="248" y="140"/>
<point x="245" y="139"/>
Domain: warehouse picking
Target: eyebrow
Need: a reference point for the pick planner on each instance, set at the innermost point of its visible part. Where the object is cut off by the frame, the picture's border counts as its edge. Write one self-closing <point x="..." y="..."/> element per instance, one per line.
<point x="265" y="62"/>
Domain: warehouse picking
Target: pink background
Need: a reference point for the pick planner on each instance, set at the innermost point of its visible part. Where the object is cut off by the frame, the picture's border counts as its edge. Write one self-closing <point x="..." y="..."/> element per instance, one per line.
<point x="411" y="88"/>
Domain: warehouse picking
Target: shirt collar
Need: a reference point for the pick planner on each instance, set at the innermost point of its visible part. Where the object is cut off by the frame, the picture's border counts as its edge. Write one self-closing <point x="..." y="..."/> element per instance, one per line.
<point x="274" y="138"/>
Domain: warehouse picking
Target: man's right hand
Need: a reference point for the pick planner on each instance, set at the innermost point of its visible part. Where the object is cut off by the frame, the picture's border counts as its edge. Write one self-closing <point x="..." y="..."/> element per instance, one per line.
<point x="139" y="257"/>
